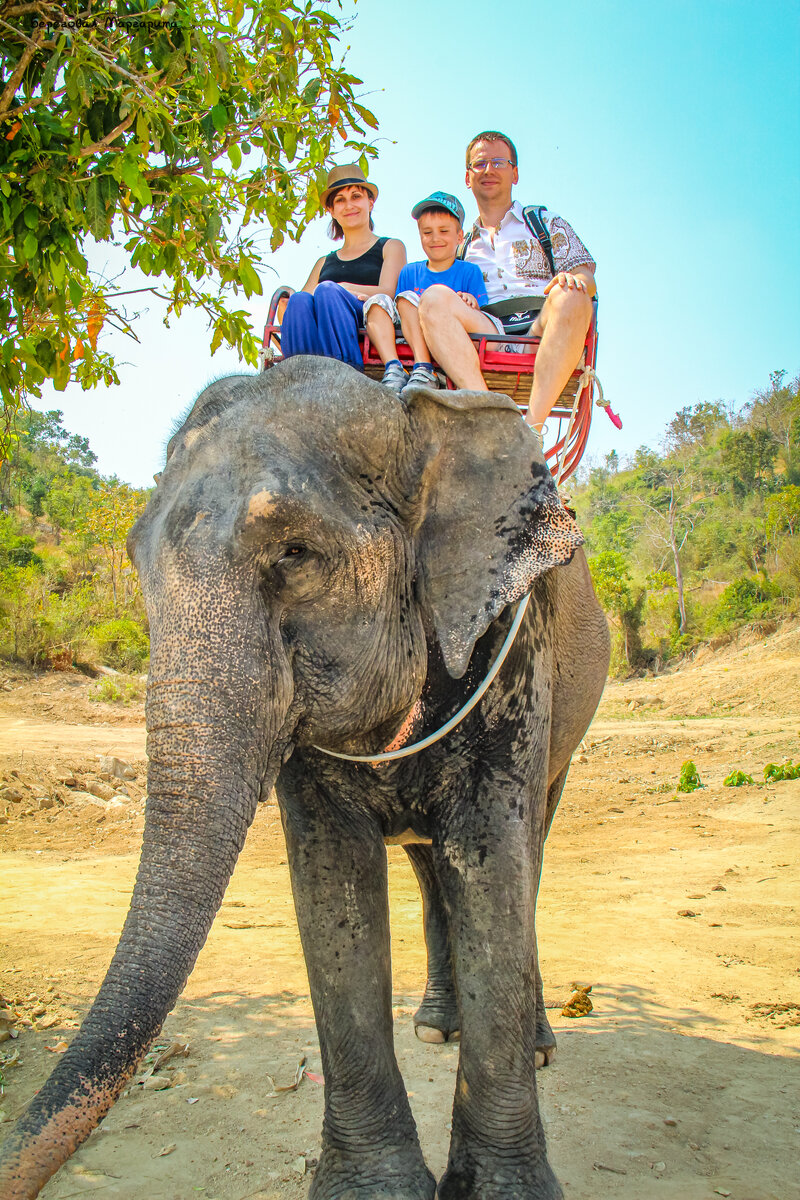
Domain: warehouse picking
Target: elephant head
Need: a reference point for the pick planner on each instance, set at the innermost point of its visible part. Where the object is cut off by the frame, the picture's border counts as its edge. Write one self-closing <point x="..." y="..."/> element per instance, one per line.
<point x="311" y="537"/>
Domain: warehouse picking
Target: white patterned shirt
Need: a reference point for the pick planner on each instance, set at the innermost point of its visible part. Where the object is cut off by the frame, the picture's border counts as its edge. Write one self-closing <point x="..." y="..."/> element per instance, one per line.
<point x="515" y="265"/>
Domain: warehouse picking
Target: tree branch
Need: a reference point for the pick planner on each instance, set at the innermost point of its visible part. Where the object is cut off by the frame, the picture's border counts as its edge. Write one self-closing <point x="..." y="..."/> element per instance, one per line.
<point x="21" y="109"/>
<point x="22" y="9"/>
<point x="105" y="144"/>
<point x="112" y="66"/>
<point x="33" y="47"/>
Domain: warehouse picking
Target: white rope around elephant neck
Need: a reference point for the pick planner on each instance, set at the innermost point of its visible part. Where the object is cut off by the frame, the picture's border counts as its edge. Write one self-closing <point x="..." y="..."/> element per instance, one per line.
<point x="406" y="751"/>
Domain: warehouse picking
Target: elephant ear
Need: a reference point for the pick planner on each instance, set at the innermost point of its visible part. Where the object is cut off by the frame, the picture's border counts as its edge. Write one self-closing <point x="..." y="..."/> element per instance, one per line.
<point x="489" y="520"/>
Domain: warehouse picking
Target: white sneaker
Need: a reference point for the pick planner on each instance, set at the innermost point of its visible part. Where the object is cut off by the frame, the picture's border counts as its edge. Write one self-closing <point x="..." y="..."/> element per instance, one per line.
<point x="395" y="377"/>
<point x="423" y="377"/>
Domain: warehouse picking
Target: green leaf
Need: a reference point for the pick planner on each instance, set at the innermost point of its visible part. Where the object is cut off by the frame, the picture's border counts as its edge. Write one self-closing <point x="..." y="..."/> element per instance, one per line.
<point x="204" y="158"/>
<point x="57" y="270"/>
<point x="219" y="117"/>
<point x="311" y="91"/>
<point x="142" y="127"/>
<point x="45" y="353"/>
<point x="367" y="117"/>
<point x="30" y="246"/>
<point x="289" y="139"/>
<point x="31" y="216"/>
<point x="211" y="93"/>
<point x="213" y="227"/>
<point x="109" y="190"/>
<point x="96" y="210"/>
<point x="130" y="173"/>
<point x="49" y="76"/>
<point x="287" y="26"/>
<point x="141" y="191"/>
<point x="235" y="155"/>
<point x="251" y="281"/>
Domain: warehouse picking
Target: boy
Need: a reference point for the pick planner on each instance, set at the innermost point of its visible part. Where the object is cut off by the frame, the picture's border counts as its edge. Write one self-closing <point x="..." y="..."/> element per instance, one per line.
<point x="440" y="219"/>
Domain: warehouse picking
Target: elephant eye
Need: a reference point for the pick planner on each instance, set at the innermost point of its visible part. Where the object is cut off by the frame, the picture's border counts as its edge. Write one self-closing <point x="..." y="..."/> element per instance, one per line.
<point x="293" y="552"/>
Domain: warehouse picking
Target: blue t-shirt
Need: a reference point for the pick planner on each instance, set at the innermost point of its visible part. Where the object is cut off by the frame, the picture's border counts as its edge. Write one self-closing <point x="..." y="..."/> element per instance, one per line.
<point x="461" y="277"/>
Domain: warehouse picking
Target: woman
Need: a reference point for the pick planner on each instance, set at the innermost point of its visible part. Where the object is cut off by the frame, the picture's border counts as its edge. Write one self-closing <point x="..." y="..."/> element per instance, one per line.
<point x="326" y="316"/>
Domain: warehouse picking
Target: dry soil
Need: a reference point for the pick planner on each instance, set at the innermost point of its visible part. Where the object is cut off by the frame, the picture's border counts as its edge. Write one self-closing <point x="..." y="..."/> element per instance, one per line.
<point x="679" y="909"/>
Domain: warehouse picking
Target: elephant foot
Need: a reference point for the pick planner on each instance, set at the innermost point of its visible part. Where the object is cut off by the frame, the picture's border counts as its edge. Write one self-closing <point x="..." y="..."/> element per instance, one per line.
<point x="499" y="1180"/>
<point x="437" y="1020"/>
<point x="398" y="1174"/>
<point x="545" y="1041"/>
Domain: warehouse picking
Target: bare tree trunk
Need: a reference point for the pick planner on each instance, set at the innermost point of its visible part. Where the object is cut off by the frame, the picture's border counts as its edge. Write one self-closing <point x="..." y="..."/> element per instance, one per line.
<point x="677" y="560"/>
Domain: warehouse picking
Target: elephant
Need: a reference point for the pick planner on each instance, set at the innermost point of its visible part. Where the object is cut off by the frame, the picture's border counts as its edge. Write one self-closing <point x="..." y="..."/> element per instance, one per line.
<point x="330" y="569"/>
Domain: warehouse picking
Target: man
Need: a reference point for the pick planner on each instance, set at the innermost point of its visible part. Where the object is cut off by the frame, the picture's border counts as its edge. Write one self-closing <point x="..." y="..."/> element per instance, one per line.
<point x="515" y="267"/>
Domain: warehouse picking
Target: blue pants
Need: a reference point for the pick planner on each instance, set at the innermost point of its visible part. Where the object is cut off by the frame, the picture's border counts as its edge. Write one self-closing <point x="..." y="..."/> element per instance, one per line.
<point x="325" y="323"/>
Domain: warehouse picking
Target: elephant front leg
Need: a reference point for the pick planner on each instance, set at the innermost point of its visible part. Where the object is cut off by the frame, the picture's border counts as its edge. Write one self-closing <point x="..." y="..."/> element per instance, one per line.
<point x="370" y="1147"/>
<point x="489" y="872"/>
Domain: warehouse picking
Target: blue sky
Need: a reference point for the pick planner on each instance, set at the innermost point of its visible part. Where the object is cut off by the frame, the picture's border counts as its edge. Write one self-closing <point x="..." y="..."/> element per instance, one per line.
<point x="668" y="134"/>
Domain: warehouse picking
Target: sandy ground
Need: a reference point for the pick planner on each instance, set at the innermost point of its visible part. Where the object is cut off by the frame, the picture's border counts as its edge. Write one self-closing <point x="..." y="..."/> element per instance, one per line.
<point x="681" y="911"/>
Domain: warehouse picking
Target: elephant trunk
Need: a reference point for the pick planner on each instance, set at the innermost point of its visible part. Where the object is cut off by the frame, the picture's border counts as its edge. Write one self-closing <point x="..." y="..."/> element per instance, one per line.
<point x="214" y="751"/>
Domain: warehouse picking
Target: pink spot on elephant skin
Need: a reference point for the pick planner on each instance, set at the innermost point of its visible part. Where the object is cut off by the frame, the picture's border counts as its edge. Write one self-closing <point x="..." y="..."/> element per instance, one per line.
<point x="261" y="505"/>
<point x="36" y="1159"/>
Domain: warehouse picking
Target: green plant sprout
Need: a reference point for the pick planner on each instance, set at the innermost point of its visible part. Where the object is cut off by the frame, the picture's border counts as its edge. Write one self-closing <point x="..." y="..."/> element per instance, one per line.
<point x="775" y="772"/>
<point x="737" y="779"/>
<point x="689" y="779"/>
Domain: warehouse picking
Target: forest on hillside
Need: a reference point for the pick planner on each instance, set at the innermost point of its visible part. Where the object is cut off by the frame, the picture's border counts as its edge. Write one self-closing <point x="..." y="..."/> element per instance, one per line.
<point x="685" y="543"/>
<point x="68" y="592"/>
<point x="695" y="539"/>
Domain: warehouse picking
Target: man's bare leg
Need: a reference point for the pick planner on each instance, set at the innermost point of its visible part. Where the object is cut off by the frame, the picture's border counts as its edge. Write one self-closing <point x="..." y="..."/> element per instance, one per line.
<point x="380" y="331"/>
<point x="446" y="323"/>
<point x="562" y="326"/>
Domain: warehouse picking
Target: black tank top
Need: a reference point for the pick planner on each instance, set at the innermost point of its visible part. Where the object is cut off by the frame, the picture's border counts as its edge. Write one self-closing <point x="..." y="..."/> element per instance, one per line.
<point x="366" y="269"/>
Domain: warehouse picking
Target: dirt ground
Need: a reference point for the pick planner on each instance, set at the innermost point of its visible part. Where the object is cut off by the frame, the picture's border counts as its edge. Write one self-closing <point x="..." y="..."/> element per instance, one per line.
<point x="679" y="910"/>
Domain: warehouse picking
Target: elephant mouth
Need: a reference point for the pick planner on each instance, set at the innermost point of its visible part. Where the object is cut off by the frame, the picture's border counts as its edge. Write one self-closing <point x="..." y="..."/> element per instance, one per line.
<point x="399" y="747"/>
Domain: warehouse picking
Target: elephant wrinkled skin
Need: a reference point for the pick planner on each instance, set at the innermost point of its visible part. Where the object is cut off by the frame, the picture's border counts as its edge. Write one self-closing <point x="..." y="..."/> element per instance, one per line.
<point x="326" y="565"/>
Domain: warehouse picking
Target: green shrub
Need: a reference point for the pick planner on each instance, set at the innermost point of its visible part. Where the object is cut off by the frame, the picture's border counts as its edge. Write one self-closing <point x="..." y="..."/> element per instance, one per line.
<point x="121" y="644"/>
<point x="689" y="779"/>
<point x="16" y="549"/>
<point x="106" y="691"/>
<point x="112" y="691"/>
<point x="737" y="779"/>
<point x="775" y="772"/>
<point x="744" y="600"/>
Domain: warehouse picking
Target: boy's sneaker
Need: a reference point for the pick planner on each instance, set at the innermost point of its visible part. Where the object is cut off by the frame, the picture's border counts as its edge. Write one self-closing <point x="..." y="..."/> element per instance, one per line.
<point x="423" y="377"/>
<point x="395" y="377"/>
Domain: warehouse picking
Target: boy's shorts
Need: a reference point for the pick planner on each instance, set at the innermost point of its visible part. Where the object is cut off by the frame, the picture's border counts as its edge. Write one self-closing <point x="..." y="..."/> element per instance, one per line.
<point x="389" y="306"/>
<point x="380" y="300"/>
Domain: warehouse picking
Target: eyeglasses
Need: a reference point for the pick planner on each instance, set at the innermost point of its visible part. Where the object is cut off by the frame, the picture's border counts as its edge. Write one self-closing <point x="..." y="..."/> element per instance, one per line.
<point x="496" y="164"/>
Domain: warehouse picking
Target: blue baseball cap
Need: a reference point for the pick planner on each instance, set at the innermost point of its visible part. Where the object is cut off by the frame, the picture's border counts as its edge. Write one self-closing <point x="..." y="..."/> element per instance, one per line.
<point x="440" y="200"/>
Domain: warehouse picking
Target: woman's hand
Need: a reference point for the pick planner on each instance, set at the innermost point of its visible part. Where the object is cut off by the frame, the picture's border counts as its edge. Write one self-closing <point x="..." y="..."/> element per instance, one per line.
<point x="468" y="299"/>
<point x="357" y="290"/>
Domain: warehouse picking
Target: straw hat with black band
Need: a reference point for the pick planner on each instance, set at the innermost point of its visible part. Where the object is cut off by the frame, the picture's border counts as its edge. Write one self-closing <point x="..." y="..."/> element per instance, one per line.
<point x="349" y="175"/>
